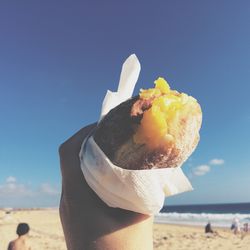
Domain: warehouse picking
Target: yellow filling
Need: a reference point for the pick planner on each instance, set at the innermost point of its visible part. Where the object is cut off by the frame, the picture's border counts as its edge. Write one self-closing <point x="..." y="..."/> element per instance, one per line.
<point x="160" y="123"/>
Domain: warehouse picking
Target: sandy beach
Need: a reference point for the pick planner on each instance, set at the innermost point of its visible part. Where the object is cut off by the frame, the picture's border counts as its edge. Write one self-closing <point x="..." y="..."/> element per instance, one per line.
<point x="46" y="233"/>
<point x="176" y="237"/>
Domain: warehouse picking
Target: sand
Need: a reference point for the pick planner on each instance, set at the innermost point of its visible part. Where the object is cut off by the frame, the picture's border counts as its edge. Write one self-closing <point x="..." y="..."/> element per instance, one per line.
<point x="173" y="237"/>
<point x="46" y="233"/>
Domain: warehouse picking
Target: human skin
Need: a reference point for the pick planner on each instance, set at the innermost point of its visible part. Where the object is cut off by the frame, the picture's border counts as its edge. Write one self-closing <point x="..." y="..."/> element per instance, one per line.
<point x="21" y="243"/>
<point x="88" y="223"/>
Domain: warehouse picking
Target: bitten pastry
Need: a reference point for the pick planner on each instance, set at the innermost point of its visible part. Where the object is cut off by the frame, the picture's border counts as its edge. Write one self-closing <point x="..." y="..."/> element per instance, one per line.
<point x="157" y="129"/>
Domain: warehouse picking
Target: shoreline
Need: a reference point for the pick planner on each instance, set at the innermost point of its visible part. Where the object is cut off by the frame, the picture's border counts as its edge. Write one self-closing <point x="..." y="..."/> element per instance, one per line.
<point x="192" y="226"/>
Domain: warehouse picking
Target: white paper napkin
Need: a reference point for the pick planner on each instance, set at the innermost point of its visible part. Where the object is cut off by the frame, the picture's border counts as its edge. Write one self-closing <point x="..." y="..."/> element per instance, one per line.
<point x="141" y="191"/>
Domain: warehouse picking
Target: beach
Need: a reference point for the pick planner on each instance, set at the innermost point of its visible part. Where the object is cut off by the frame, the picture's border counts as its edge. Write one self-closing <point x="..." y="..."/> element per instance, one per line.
<point x="178" y="237"/>
<point x="46" y="233"/>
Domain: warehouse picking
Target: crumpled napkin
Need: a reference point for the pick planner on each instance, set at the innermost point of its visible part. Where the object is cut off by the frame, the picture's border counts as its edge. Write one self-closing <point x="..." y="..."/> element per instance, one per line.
<point x="141" y="191"/>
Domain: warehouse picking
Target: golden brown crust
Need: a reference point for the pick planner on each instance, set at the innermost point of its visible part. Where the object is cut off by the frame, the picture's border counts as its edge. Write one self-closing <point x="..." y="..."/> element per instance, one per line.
<point x="114" y="135"/>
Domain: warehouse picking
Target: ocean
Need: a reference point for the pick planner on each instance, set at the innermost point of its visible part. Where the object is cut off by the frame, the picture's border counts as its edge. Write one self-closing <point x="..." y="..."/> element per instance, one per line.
<point x="219" y="215"/>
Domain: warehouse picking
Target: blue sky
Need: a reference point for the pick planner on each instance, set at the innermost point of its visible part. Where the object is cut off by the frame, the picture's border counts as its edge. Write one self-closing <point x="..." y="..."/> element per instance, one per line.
<point x="58" y="58"/>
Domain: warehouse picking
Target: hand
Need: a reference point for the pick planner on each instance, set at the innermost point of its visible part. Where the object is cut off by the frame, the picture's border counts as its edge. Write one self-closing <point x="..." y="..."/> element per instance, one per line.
<point x="88" y="223"/>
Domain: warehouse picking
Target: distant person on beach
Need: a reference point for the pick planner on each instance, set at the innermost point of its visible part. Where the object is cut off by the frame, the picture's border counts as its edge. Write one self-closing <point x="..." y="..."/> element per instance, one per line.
<point x="88" y="223"/>
<point x="209" y="231"/>
<point x="236" y="226"/>
<point x="208" y="228"/>
<point x="22" y="242"/>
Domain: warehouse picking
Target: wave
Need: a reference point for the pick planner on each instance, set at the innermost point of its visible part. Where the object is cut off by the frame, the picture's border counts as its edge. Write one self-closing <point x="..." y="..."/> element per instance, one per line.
<point x="201" y="219"/>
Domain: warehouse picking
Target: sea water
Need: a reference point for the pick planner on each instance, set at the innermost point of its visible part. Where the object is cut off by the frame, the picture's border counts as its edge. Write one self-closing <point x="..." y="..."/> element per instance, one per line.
<point x="220" y="215"/>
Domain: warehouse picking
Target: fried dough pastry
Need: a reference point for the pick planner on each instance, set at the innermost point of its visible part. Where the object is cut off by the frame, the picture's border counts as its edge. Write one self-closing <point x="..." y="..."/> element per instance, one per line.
<point x="159" y="128"/>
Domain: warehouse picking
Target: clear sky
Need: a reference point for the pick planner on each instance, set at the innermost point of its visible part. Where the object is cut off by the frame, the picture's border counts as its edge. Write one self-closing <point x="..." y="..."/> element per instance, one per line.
<point x="58" y="58"/>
